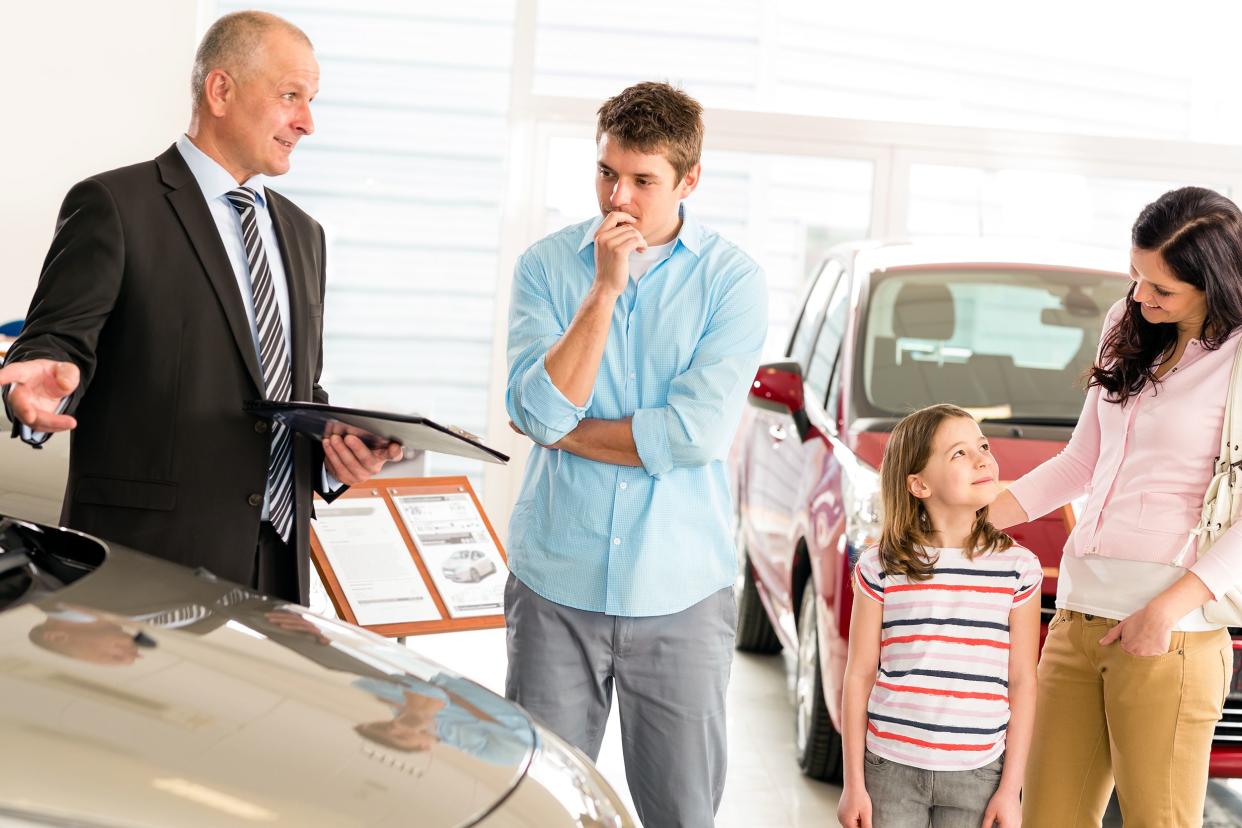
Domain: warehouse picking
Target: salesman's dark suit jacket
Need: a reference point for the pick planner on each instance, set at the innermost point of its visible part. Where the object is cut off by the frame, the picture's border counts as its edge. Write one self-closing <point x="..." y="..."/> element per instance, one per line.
<point x="137" y="290"/>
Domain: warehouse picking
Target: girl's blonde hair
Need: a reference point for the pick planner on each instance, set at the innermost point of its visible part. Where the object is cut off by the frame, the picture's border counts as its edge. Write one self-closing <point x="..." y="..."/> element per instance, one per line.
<point x="907" y="529"/>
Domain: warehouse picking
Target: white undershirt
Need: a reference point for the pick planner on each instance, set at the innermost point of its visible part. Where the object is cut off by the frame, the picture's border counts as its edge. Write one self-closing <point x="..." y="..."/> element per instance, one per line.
<point x="642" y="262"/>
<point x="1116" y="588"/>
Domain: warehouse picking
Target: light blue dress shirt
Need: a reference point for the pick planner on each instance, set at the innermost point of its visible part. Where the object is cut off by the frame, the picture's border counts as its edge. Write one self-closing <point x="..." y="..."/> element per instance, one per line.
<point x="682" y="350"/>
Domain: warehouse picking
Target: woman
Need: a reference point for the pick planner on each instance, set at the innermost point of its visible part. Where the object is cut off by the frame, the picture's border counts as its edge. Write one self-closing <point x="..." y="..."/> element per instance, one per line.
<point x="1132" y="678"/>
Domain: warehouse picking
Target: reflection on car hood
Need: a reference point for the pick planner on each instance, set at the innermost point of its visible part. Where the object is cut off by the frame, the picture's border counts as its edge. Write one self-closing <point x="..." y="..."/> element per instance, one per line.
<point x="143" y="694"/>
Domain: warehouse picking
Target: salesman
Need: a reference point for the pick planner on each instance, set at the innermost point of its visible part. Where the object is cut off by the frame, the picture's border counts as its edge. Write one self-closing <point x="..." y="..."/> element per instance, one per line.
<point x="174" y="291"/>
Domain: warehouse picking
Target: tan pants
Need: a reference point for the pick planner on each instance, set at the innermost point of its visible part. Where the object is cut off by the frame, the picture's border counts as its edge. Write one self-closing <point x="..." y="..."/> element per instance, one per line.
<point x="1105" y="715"/>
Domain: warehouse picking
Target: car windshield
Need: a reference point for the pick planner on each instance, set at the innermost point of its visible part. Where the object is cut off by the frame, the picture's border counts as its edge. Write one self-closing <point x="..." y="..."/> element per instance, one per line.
<point x="1010" y="342"/>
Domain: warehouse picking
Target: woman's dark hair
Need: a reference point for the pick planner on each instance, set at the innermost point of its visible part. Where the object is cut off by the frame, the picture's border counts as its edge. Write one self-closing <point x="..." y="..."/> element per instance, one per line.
<point x="1198" y="234"/>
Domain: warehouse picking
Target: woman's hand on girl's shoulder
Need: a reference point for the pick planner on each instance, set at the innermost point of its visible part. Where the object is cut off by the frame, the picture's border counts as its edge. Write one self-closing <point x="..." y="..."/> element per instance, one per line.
<point x="1004" y="811"/>
<point x="854" y="810"/>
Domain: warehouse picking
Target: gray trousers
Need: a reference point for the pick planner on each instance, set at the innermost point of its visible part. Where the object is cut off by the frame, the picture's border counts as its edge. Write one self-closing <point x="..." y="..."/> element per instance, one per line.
<point x="906" y="797"/>
<point x="670" y="672"/>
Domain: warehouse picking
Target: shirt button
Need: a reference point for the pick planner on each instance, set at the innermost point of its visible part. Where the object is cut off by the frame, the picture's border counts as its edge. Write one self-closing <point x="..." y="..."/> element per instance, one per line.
<point x="633" y="375"/>
<point x="255" y="500"/>
<point x="624" y="486"/>
<point x="616" y="541"/>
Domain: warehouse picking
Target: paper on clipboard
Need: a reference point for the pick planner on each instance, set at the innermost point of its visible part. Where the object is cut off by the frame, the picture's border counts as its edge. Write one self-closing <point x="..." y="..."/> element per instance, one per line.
<point x="458" y="551"/>
<point x="380" y="580"/>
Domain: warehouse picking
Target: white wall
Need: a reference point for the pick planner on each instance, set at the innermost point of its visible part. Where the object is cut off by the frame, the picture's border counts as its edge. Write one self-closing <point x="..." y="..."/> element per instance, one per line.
<point x="89" y="86"/>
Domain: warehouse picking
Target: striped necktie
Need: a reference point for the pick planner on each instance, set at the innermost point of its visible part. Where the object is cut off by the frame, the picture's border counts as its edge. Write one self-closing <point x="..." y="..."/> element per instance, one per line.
<point x="274" y="358"/>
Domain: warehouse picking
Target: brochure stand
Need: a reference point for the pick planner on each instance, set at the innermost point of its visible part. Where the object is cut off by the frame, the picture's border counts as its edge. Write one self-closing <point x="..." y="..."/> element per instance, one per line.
<point x="410" y="556"/>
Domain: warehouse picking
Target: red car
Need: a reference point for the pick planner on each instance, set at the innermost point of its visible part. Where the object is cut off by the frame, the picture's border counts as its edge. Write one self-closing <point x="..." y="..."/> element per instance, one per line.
<point x="1003" y="331"/>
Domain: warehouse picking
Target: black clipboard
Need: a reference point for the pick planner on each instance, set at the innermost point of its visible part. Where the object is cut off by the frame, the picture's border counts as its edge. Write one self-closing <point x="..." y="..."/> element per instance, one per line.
<point x="375" y="428"/>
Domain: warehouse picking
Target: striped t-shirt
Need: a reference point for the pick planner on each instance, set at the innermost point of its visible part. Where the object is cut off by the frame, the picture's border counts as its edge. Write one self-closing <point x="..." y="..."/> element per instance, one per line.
<point x="941" y="697"/>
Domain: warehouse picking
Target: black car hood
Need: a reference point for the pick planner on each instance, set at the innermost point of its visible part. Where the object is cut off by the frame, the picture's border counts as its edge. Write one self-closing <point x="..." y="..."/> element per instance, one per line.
<point x="145" y="694"/>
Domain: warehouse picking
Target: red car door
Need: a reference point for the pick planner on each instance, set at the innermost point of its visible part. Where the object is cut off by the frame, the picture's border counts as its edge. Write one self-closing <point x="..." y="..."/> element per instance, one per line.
<point x="779" y="475"/>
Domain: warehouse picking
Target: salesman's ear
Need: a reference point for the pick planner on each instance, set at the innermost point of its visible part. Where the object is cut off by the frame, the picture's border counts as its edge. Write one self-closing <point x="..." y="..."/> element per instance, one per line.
<point x="218" y="91"/>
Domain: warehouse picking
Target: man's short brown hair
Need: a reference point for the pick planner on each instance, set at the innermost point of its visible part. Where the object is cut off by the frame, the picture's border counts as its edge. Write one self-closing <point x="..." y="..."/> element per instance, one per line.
<point x="655" y="118"/>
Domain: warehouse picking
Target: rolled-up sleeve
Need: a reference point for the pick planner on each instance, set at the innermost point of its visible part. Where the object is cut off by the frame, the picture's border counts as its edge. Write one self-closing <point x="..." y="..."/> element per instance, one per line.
<point x="533" y="402"/>
<point x="704" y="403"/>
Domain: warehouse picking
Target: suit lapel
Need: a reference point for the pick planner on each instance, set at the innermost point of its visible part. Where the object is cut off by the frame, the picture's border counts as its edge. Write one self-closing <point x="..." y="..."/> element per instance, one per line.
<point x="187" y="200"/>
<point x="297" y="271"/>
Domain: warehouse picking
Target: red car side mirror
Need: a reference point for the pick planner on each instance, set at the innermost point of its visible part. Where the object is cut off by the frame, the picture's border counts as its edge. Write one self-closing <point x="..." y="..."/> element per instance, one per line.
<point x="778" y="387"/>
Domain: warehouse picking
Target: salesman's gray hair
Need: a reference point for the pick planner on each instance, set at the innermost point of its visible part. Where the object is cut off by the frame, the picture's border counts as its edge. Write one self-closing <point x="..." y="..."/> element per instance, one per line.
<point x="230" y="44"/>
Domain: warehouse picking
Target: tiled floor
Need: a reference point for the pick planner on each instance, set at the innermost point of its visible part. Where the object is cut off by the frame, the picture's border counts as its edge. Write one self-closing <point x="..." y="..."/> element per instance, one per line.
<point x="764" y="787"/>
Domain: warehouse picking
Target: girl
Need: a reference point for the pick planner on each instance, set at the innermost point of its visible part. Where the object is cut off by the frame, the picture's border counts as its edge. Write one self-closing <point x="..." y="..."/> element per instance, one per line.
<point x="939" y="695"/>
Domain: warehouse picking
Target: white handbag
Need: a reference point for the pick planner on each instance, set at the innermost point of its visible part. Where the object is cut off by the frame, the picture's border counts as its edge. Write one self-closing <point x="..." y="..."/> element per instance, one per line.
<point x="1222" y="502"/>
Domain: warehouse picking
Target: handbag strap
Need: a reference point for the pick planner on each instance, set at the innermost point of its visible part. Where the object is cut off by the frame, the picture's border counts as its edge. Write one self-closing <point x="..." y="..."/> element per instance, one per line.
<point x="1230" y="448"/>
<point x="1231" y="427"/>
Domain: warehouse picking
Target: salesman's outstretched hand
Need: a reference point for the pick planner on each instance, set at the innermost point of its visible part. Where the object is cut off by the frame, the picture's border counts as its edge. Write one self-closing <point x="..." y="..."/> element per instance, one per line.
<point x="350" y="461"/>
<point x="38" y="386"/>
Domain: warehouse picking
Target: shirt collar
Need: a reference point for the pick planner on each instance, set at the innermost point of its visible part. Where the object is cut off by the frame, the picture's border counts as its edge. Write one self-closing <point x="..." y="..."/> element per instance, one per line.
<point x="690" y="235"/>
<point x="213" y="179"/>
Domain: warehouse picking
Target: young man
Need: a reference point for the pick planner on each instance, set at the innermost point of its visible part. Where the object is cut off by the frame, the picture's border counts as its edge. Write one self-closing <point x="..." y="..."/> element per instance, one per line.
<point x="633" y="339"/>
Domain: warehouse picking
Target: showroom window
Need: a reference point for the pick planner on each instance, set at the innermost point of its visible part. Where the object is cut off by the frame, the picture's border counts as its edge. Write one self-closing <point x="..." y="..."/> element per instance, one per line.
<point x="900" y="62"/>
<point x="1030" y="203"/>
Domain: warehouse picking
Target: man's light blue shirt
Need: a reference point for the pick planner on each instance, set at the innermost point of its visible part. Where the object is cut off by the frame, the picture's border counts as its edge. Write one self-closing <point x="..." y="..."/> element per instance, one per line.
<point x="682" y="350"/>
